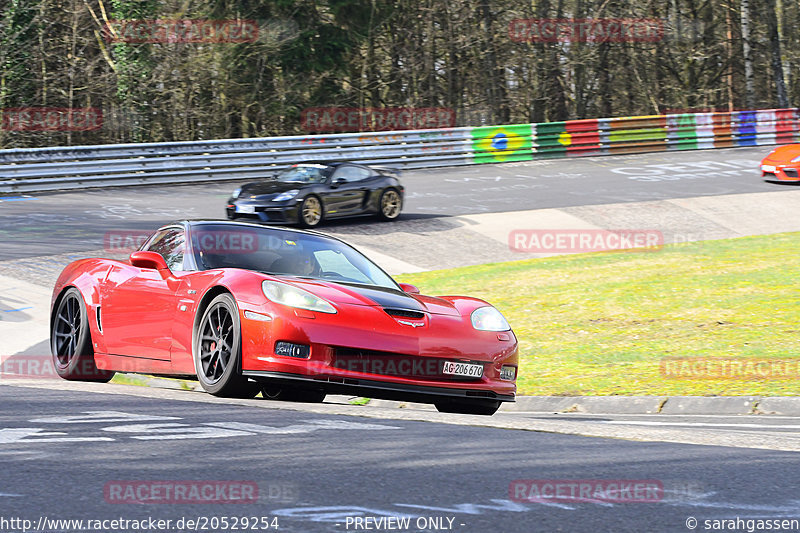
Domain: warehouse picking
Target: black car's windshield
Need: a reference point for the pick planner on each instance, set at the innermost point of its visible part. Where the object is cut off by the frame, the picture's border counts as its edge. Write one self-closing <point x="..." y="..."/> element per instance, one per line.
<point x="304" y="174"/>
<point x="283" y="252"/>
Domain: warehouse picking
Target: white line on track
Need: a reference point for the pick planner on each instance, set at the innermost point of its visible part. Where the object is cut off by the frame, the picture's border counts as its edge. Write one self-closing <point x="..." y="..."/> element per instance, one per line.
<point x="684" y="435"/>
<point x="700" y="424"/>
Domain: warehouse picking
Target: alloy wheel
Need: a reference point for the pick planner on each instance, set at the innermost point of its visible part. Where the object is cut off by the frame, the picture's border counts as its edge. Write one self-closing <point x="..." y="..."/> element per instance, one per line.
<point x="67" y="330"/>
<point x="216" y="343"/>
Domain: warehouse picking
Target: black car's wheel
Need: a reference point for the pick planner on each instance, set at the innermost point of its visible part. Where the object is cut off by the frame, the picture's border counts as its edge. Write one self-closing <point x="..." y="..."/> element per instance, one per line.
<point x="218" y="351"/>
<point x="390" y="205"/>
<point x="468" y="407"/>
<point x="71" y="341"/>
<point x="292" y="394"/>
<point x="311" y="212"/>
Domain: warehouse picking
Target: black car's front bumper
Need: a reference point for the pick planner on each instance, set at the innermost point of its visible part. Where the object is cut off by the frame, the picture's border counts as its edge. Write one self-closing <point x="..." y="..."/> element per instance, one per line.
<point x="273" y="213"/>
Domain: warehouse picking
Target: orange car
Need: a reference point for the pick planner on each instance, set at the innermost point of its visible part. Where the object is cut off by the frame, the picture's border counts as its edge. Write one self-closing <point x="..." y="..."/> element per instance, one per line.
<point x="782" y="164"/>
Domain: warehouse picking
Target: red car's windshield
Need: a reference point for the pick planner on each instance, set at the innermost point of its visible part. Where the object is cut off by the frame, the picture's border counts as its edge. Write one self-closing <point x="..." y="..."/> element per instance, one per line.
<point x="283" y="252"/>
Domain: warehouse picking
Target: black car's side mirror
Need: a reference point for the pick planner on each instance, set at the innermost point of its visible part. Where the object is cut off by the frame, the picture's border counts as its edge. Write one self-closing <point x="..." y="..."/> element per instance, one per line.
<point x="337" y="182"/>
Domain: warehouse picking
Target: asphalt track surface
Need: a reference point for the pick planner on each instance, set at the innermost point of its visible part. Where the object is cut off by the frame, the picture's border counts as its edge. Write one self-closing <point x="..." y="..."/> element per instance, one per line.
<point x="314" y="470"/>
<point x="315" y="466"/>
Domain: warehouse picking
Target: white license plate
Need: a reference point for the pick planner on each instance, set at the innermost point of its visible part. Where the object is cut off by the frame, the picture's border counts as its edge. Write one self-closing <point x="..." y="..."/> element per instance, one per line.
<point x="247" y="209"/>
<point x="462" y="369"/>
<point x="767" y="168"/>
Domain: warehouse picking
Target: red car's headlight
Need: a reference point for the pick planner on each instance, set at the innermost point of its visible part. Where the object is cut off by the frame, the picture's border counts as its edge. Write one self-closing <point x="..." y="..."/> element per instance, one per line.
<point x="289" y="295"/>
<point x="489" y="319"/>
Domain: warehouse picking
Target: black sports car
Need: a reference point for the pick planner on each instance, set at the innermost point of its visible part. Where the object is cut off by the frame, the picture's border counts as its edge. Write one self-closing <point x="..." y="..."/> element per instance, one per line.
<point x="308" y="193"/>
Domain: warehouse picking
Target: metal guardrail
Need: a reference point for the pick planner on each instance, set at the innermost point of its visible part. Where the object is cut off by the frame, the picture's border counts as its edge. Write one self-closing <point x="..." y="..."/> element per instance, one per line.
<point x="78" y="167"/>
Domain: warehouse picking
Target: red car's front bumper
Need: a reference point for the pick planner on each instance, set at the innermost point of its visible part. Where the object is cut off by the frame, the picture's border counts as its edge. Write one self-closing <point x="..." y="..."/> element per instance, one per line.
<point x="362" y="350"/>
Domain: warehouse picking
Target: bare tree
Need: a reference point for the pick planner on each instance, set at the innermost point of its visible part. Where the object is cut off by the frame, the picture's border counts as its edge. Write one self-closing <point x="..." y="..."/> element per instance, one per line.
<point x="749" y="90"/>
<point x="775" y="54"/>
<point x="394" y="53"/>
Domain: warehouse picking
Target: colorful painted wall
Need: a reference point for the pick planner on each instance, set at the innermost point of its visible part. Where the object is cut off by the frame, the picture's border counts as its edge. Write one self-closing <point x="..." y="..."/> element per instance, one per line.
<point x="686" y="131"/>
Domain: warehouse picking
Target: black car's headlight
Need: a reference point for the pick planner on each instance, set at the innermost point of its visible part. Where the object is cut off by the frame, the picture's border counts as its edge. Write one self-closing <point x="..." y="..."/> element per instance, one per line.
<point x="489" y="319"/>
<point x="288" y="195"/>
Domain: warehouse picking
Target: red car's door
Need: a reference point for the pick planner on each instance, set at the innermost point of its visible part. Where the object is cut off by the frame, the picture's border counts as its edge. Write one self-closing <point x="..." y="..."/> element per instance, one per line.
<point x="138" y="305"/>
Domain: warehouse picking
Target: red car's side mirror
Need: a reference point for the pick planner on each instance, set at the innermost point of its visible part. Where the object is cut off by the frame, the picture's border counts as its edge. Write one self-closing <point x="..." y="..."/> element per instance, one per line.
<point x="410" y="289"/>
<point x="148" y="260"/>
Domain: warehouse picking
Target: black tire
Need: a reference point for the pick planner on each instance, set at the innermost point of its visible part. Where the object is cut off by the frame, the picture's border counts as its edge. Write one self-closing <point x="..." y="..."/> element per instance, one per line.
<point x="217" y="349"/>
<point x="311" y="212"/>
<point x="291" y="394"/>
<point x="468" y="407"/>
<point x="390" y="205"/>
<point x="71" y="341"/>
<point x="247" y="390"/>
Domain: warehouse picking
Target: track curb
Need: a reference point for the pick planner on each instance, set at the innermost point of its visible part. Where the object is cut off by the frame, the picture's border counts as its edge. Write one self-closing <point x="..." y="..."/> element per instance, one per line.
<point x="639" y="405"/>
<point x="611" y="405"/>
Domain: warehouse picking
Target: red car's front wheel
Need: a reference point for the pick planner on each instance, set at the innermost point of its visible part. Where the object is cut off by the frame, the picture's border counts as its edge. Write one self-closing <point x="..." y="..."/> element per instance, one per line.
<point x="218" y="351"/>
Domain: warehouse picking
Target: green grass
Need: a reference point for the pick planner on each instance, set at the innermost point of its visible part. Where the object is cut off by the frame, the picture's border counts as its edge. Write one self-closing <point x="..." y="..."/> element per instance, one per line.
<point x="359" y="401"/>
<point x="601" y="323"/>
<point x="144" y="380"/>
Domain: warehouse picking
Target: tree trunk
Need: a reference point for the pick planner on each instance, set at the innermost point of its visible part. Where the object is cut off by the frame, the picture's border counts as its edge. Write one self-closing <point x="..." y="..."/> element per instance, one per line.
<point x="775" y="56"/>
<point x="749" y="85"/>
<point x="496" y="80"/>
<point x="729" y="50"/>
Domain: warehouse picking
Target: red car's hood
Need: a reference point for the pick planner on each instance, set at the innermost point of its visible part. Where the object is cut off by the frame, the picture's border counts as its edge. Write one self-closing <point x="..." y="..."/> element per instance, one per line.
<point x="783" y="154"/>
<point x="373" y="296"/>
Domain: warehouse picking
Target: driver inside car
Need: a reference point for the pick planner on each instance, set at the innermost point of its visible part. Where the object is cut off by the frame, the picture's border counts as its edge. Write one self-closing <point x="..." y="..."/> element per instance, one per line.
<point x="297" y="263"/>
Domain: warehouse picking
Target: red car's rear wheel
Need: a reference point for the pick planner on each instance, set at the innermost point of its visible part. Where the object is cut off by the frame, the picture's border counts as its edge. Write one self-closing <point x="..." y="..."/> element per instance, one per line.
<point x="71" y="341"/>
<point x="218" y="351"/>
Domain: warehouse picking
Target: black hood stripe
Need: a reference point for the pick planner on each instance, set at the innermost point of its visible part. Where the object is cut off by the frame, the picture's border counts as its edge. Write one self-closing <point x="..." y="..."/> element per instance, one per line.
<point x="387" y="297"/>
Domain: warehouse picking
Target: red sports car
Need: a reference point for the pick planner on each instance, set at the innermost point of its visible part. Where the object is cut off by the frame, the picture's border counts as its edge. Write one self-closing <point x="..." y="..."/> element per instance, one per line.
<point x="294" y="314"/>
<point x="782" y="164"/>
